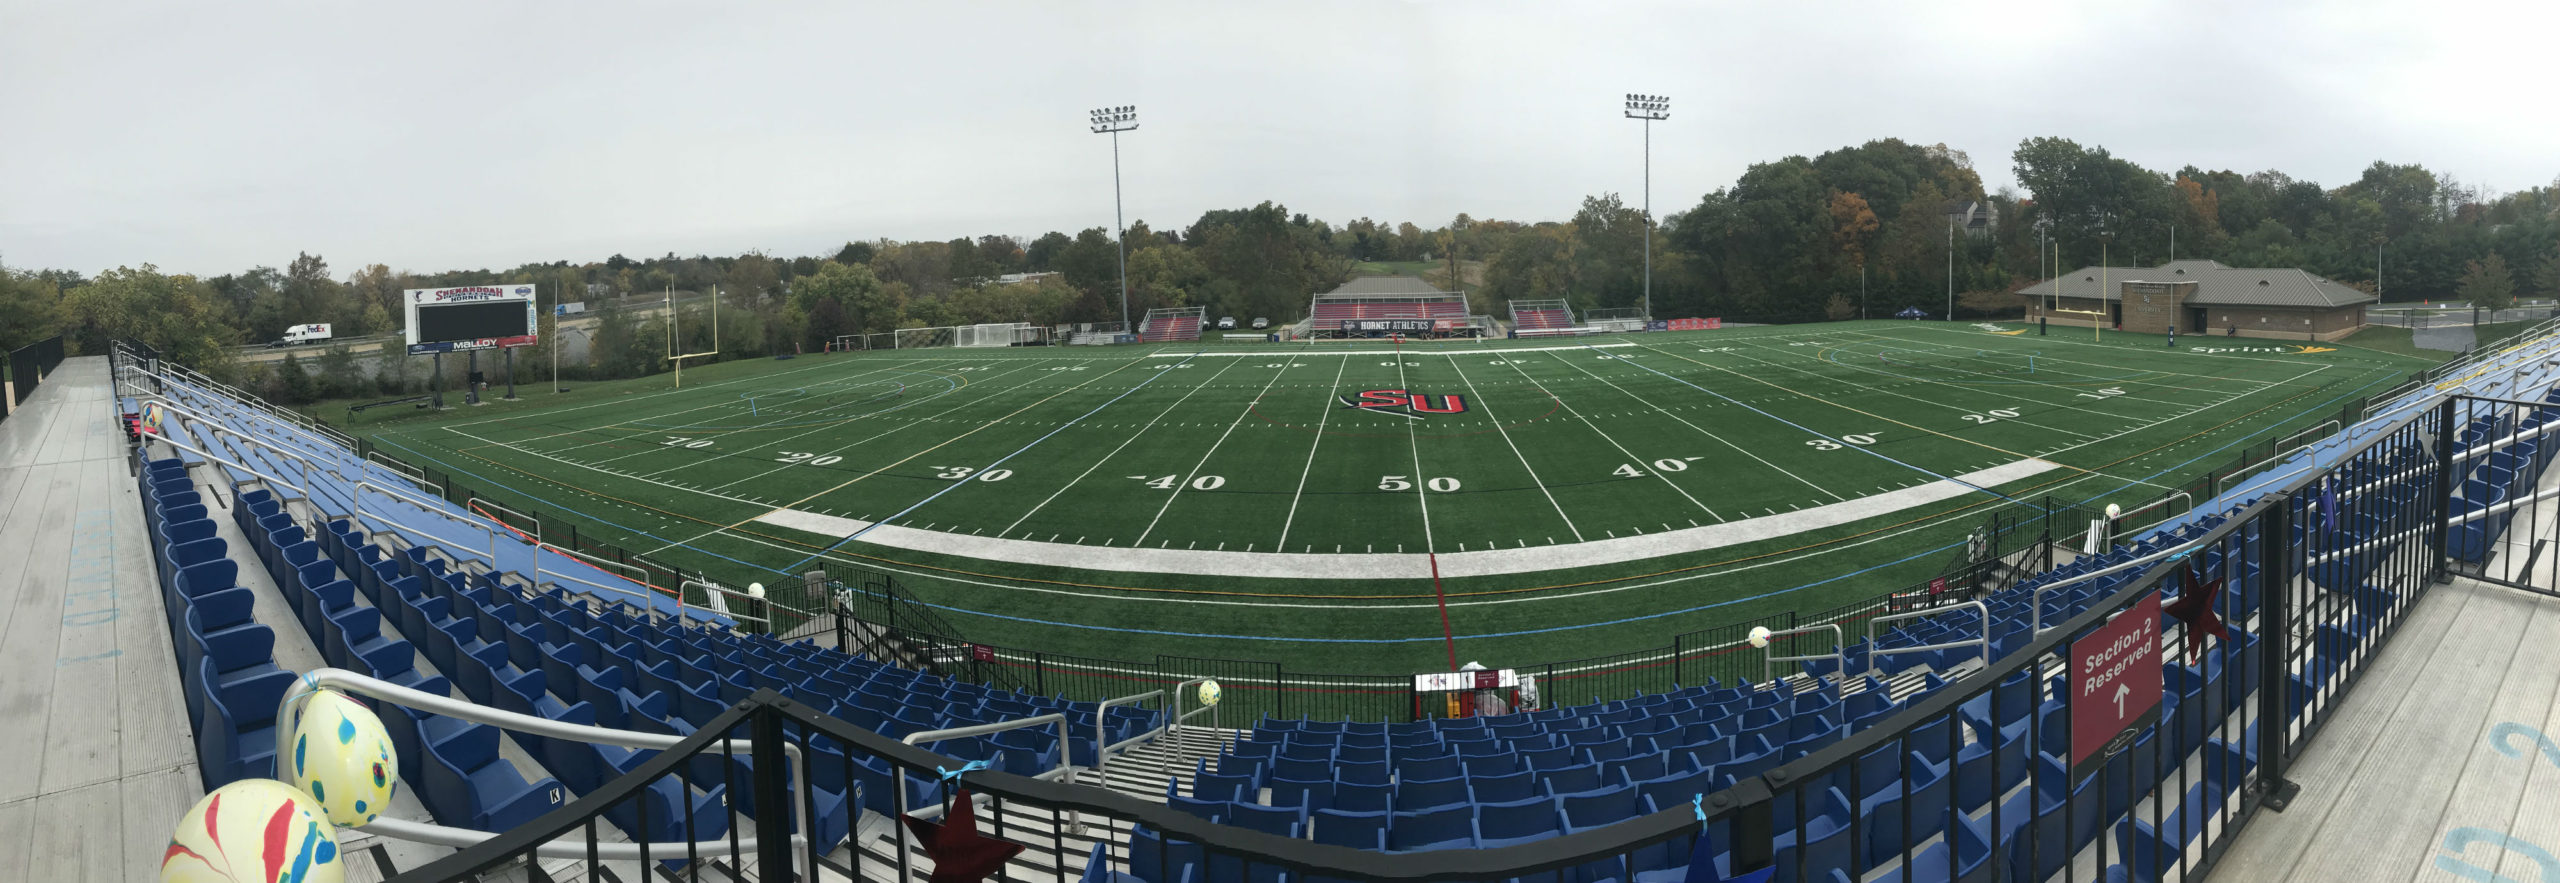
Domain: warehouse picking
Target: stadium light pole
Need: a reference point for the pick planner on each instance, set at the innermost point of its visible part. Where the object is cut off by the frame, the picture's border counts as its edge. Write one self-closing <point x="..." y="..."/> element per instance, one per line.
<point x="1648" y="108"/>
<point x="1115" y="120"/>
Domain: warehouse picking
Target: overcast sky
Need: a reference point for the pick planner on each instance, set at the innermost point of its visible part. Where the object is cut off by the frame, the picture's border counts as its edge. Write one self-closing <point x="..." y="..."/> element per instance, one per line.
<point x="212" y="137"/>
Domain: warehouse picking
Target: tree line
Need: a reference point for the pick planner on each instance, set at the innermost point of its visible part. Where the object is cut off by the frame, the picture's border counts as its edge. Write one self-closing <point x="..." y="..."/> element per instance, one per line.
<point x="1861" y="230"/>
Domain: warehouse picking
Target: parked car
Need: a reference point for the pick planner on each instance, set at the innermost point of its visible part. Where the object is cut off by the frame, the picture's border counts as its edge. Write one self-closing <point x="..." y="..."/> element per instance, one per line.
<point x="1261" y="323"/>
<point x="1227" y="322"/>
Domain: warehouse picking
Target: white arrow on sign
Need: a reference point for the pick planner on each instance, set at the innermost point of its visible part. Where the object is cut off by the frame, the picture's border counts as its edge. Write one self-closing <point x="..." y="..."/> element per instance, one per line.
<point x="2121" y="691"/>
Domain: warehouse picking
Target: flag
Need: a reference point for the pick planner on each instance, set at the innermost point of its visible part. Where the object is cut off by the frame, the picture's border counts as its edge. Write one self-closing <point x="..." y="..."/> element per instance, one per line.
<point x="2195" y="608"/>
<point x="1703" y="855"/>
<point x="960" y="853"/>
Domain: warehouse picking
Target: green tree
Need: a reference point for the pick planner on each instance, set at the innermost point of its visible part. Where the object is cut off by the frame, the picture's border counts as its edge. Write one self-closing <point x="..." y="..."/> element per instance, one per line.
<point x="2546" y="279"/>
<point x="30" y="309"/>
<point x="2487" y="284"/>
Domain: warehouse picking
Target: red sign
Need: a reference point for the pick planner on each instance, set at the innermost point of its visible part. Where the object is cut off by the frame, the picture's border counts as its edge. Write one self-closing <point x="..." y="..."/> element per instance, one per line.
<point x="2115" y="686"/>
<point x="1488" y="680"/>
<point x="1938" y="586"/>
<point x="982" y="653"/>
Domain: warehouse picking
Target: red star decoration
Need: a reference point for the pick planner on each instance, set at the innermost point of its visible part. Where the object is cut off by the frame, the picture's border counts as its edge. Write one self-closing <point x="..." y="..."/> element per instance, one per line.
<point x="960" y="854"/>
<point x="2195" y="608"/>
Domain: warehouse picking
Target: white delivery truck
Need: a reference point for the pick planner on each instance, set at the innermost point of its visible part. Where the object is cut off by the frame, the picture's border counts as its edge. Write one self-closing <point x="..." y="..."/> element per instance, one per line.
<point x="302" y="334"/>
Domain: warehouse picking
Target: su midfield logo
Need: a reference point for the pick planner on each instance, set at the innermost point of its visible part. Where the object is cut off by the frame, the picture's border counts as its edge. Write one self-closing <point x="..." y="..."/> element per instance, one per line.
<point x="1404" y="404"/>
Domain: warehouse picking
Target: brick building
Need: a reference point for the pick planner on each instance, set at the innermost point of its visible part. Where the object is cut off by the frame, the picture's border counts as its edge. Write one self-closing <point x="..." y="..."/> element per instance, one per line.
<point x="2201" y="297"/>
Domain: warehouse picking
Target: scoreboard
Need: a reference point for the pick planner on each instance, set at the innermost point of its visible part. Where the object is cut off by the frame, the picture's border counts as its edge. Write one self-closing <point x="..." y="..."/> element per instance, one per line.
<point x="474" y="317"/>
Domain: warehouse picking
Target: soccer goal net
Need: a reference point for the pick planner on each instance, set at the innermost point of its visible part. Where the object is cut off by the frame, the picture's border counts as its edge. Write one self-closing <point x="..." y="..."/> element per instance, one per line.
<point x="925" y="338"/>
<point x="1001" y="334"/>
<point x="1959" y="362"/>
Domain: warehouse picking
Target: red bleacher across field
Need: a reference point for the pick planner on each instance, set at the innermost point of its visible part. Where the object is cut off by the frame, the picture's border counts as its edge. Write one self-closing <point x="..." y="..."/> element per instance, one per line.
<point x="1531" y="321"/>
<point x="1161" y="329"/>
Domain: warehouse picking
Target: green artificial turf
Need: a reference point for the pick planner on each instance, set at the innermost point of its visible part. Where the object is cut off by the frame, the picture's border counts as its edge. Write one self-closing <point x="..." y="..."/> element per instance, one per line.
<point x="1089" y="453"/>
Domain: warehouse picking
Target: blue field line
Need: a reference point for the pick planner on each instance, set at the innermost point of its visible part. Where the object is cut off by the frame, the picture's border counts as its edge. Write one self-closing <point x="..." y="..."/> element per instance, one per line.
<point x="1860" y="448"/>
<point x="956" y="485"/>
<point x="448" y="467"/>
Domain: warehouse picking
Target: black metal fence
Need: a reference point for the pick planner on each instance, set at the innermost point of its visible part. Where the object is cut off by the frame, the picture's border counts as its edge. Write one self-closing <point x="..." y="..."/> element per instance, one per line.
<point x="885" y="620"/>
<point x="27" y="366"/>
<point x="2019" y="772"/>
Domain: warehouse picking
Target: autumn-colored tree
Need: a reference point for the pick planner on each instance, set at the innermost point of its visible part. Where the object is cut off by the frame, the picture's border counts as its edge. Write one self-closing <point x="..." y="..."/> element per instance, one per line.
<point x="1853" y="226"/>
<point x="2199" y="219"/>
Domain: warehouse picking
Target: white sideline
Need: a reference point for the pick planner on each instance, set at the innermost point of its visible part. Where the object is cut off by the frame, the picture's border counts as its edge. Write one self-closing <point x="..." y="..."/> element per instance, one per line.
<point x="1329" y="565"/>
<point x="1438" y="348"/>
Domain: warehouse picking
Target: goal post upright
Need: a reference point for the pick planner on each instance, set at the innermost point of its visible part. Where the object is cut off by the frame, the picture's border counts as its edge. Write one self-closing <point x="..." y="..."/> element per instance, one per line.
<point x="678" y="358"/>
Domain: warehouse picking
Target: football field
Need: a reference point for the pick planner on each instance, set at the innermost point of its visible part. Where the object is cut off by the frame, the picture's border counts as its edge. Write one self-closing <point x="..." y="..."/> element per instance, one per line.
<point x="1362" y="506"/>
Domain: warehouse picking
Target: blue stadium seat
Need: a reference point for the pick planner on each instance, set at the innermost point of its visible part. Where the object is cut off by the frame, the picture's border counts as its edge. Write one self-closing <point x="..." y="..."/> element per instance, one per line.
<point x="1358" y="830"/>
<point x="1517" y="821"/>
<point x="237" y="739"/>
<point x="1420" y="795"/>
<point x="1451" y="827"/>
<point x="469" y="786"/>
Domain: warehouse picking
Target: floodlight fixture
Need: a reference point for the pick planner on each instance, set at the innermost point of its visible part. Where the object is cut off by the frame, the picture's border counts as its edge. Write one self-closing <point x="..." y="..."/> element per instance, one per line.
<point x="1113" y="121"/>
<point x="1648" y="108"/>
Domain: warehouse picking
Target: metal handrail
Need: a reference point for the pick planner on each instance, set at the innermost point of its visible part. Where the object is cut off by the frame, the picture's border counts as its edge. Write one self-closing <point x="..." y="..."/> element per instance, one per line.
<point x="1839" y="656"/>
<point x="310" y="684"/>
<point x="1064" y="772"/>
<point x="254" y="472"/>
<point x="648" y="603"/>
<point x="1874" y="651"/>
<point x="711" y="591"/>
<point x="414" y="474"/>
<point x="477" y="500"/>
<point x="355" y="499"/>
<point x="1173" y="723"/>
<point x="163" y="377"/>
<point x="308" y="465"/>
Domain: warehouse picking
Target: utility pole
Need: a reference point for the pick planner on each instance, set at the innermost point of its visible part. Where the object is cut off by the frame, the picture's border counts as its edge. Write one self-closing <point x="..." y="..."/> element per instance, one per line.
<point x="1115" y="120"/>
<point x="1648" y="108"/>
<point x="1951" y="268"/>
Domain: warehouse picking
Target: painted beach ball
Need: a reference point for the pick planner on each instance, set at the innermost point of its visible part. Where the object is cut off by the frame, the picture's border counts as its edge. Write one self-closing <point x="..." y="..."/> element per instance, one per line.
<point x="1208" y="693"/>
<point x="342" y="759"/>
<point x="253" y="831"/>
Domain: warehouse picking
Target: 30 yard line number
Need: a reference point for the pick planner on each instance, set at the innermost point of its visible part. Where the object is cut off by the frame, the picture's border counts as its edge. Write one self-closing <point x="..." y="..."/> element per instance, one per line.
<point x="962" y="473"/>
<point x="798" y="458"/>
<point x="678" y="441"/>
<point x="1860" y="439"/>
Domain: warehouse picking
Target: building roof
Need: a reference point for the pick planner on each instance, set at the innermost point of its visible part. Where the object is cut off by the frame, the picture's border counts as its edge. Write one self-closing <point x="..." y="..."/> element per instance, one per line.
<point x="2216" y="285"/>
<point x="1386" y="285"/>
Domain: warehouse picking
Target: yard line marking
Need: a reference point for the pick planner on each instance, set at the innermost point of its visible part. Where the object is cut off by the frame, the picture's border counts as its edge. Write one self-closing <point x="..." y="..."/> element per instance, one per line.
<point x="1303" y="471"/>
<point x="551" y="413"/>
<point x="1515" y="448"/>
<point x="1604" y="436"/>
<point x="1961" y="409"/>
<point x="1097" y="464"/>
<point x="1684" y="421"/>
<point x="2093" y="378"/>
<point x="1867" y="449"/>
<point x="1213" y="446"/>
<point x="956" y="485"/>
<point x="883" y="433"/>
